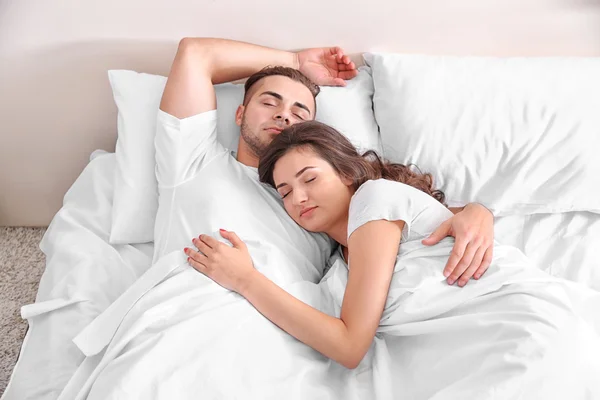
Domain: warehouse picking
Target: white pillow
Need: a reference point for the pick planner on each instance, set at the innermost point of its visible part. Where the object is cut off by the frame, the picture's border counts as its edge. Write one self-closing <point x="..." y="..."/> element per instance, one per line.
<point x="138" y="95"/>
<point x="519" y="135"/>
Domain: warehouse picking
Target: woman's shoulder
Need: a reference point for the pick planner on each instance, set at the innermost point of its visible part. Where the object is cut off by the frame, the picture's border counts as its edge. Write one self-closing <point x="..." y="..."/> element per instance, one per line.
<point x="393" y="201"/>
<point x="382" y="188"/>
<point x="379" y="195"/>
<point x="382" y="199"/>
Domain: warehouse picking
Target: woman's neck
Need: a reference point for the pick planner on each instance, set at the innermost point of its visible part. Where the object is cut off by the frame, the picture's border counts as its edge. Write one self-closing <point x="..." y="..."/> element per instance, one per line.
<point x="339" y="231"/>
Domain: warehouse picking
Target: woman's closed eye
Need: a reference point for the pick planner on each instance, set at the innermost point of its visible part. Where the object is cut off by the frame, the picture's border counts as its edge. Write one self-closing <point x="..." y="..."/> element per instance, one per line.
<point x="309" y="180"/>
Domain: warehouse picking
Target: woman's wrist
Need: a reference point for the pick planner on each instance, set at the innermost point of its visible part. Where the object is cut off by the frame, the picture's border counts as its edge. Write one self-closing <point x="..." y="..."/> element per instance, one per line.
<point x="248" y="282"/>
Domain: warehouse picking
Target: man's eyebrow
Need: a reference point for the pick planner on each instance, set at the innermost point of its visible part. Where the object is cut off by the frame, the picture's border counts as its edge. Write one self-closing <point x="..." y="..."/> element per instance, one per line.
<point x="297" y="175"/>
<point x="274" y="94"/>
<point x="280" y="97"/>
<point x="300" y="105"/>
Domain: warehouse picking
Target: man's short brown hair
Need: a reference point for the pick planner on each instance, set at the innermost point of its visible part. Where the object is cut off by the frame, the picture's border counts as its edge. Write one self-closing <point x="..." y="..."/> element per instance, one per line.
<point x="291" y="73"/>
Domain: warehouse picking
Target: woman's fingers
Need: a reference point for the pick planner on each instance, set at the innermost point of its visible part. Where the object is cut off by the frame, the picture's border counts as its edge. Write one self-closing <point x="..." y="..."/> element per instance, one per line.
<point x="203" y="247"/>
<point x="198" y="266"/>
<point x="195" y="255"/>
<point x="209" y="241"/>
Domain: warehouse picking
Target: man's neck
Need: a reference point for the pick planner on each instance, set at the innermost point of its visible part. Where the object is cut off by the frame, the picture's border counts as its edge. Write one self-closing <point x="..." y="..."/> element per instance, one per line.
<point x="245" y="157"/>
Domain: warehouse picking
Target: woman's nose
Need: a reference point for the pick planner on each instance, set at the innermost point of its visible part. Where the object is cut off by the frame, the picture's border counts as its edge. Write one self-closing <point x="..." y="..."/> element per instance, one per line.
<point x="299" y="197"/>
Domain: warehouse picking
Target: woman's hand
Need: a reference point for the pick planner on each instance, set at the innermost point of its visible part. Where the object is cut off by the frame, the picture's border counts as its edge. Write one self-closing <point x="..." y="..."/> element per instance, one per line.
<point x="473" y="229"/>
<point x="230" y="267"/>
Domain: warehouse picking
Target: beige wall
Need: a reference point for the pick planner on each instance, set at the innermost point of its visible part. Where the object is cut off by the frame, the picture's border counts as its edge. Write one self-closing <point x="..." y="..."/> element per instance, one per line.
<point x="55" y="101"/>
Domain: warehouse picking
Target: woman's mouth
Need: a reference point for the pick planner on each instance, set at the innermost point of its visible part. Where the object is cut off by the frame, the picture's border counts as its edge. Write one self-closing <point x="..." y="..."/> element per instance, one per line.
<point x="307" y="212"/>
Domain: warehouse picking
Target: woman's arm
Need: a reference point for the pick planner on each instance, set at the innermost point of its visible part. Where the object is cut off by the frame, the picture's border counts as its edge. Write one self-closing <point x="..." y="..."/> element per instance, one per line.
<point x="372" y="250"/>
<point x="324" y="333"/>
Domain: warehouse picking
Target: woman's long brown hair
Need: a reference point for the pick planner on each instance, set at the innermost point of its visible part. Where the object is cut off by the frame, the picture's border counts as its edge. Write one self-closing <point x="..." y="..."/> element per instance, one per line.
<point x="339" y="152"/>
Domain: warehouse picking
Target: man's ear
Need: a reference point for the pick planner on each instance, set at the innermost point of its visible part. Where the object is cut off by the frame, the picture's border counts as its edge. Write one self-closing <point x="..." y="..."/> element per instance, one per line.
<point x="239" y="114"/>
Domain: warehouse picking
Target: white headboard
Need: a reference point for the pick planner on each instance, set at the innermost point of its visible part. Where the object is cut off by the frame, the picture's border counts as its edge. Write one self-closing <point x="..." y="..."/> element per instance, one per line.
<point x="55" y="101"/>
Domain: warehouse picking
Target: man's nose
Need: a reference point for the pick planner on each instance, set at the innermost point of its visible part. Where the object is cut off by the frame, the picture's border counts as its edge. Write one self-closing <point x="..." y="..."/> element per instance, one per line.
<point x="283" y="116"/>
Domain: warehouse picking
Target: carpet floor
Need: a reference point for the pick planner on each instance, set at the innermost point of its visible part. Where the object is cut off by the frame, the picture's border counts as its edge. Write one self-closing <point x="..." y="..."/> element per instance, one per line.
<point x="21" y="266"/>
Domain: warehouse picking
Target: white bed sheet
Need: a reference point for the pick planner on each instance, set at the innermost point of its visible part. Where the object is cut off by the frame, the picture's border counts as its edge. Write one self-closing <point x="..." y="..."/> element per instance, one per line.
<point x="565" y="245"/>
<point x="85" y="274"/>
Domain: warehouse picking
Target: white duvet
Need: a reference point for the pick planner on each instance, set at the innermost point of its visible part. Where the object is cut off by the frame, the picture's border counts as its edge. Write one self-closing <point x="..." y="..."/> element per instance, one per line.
<point x="516" y="333"/>
<point x="189" y="338"/>
<point x="508" y="336"/>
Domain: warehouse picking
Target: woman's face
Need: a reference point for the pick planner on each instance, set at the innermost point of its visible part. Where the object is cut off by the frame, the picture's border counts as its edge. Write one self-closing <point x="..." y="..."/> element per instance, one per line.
<point x="313" y="193"/>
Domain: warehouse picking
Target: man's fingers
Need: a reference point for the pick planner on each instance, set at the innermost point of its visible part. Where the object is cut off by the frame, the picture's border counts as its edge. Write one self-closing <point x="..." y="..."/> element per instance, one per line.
<point x="339" y="55"/>
<point x="346" y="67"/>
<point x="464" y="263"/>
<point x="476" y="263"/>
<point x="333" y="82"/>
<point x="441" y="232"/>
<point x="347" y="75"/>
<point x="487" y="260"/>
<point x="455" y="256"/>
<point x="336" y="52"/>
<point x="464" y="279"/>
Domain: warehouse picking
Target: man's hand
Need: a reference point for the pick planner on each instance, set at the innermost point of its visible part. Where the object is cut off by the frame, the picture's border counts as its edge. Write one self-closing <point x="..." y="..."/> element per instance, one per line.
<point x="473" y="229"/>
<point x="327" y="66"/>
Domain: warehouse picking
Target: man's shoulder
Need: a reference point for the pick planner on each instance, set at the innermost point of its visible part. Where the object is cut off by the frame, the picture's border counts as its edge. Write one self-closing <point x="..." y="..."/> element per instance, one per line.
<point x="202" y="118"/>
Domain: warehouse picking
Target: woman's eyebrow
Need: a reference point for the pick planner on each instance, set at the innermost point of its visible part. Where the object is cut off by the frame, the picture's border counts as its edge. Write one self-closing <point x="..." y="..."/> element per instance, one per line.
<point x="297" y="175"/>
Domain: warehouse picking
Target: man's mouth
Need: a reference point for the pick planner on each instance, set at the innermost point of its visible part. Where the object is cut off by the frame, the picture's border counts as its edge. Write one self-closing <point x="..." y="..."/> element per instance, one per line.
<point x="274" y="130"/>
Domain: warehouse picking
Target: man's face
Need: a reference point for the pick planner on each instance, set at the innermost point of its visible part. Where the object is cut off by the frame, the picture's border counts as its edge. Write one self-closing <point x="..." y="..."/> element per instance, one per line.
<point x="275" y="103"/>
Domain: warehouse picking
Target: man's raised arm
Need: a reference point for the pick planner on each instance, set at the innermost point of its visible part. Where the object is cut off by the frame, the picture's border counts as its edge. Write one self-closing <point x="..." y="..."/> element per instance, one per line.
<point x="201" y="63"/>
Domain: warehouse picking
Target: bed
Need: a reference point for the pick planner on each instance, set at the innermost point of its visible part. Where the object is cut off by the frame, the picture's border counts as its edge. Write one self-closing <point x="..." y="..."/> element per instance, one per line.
<point x="87" y="269"/>
<point x="86" y="273"/>
<point x="103" y="270"/>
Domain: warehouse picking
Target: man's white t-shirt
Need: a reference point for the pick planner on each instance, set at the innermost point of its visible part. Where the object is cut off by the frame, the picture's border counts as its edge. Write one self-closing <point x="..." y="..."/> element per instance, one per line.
<point x="203" y="188"/>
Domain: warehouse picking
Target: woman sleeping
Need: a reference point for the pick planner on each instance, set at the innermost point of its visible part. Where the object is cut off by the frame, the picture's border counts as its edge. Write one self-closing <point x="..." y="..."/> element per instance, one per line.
<point x="516" y="332"/>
